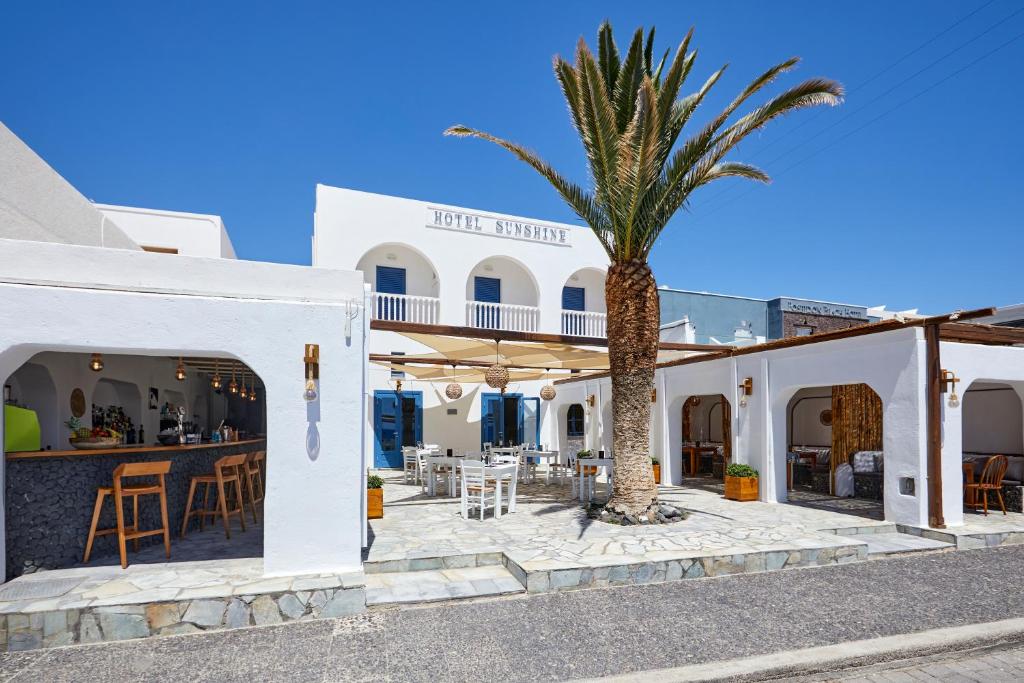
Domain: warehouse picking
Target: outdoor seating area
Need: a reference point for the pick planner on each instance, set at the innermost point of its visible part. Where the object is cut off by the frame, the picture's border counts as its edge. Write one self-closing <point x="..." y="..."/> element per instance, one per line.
<point x="489" y="479"/>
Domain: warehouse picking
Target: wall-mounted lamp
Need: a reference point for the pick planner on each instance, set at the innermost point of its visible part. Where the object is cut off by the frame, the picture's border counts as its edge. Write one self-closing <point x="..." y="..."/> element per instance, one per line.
<point x="591" y="400"/>
<point x="948" y="381"/>
<point x="746" y="388"/>
<point x="312" y="361"/>
<point x="96" y="362"/>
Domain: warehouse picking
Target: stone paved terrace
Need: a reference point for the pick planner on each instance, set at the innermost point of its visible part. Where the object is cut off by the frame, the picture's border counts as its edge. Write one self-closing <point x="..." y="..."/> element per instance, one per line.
<point x="550" y="544"/>
<point x="193" y="592"/>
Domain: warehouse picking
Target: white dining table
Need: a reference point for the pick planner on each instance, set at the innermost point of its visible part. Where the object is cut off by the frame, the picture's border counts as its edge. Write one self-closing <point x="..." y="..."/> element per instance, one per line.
<point x="607" y="463"/>
<point x="548" y="457"/>
<point x="503" y="473"/>
<point x="451" y="462"/>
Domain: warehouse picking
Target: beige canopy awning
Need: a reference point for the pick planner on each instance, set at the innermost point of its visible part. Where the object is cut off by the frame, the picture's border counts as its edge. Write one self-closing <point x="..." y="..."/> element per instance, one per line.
<point x="466" y="358"/>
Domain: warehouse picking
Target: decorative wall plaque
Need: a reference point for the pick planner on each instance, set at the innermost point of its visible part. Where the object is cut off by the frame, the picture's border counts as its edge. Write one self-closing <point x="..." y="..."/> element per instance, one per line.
<point x="77" y="403"/>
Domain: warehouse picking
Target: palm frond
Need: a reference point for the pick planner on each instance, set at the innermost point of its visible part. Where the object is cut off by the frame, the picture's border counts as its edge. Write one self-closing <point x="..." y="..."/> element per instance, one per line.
<point x="608" y="57"/>
<point x="581" y="201"/>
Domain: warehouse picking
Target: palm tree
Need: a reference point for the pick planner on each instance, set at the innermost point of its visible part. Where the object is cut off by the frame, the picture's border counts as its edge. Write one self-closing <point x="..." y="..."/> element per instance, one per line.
<point x="629" y="116"/>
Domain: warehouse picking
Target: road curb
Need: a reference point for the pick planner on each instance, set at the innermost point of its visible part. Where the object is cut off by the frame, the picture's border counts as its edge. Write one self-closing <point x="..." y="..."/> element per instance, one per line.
<point x="826" y="658"/>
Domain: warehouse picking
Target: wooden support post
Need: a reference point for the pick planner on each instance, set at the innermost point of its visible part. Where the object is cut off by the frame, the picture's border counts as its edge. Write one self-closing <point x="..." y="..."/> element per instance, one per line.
<point x="933" y="422"/>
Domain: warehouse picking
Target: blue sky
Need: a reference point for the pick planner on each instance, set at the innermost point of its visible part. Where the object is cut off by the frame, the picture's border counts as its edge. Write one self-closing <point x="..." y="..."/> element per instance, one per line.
<point x="909" y="194"/>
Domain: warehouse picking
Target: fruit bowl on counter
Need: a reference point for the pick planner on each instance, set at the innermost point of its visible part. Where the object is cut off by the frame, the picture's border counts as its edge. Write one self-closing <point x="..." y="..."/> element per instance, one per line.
<point x="95" y="438"/>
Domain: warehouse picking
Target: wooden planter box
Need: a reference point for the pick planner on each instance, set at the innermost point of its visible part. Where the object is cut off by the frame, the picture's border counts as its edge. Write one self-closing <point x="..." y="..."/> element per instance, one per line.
<point x="657" y="473"/>
<point x="741" y="488"/>
<point x="374" y="503"/>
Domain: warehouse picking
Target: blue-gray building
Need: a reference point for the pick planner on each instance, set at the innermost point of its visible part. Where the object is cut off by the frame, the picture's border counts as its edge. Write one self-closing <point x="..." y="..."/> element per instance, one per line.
<point x="722" y="318"/>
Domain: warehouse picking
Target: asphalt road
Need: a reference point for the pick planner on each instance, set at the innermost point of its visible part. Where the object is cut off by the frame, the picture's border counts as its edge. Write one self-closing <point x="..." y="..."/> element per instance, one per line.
<point x="576" y="634"/>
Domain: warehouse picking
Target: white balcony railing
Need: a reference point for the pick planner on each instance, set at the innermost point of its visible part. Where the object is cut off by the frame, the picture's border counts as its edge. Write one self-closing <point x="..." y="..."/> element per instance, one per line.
<point x="406" y="308"/>
<point x="584" y="323"/>
<point x="502" y="316"/>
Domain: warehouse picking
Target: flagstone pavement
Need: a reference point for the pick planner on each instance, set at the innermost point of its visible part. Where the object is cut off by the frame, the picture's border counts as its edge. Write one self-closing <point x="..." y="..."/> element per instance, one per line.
<point x="551" y="531"/>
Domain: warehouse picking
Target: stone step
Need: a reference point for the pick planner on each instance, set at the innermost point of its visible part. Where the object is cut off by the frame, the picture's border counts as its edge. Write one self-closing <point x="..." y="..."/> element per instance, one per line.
<point x="889" y="544"/>
<point x="386" y="565"/>
<point x="432" y="585"/>
<point x="874" y="528"/>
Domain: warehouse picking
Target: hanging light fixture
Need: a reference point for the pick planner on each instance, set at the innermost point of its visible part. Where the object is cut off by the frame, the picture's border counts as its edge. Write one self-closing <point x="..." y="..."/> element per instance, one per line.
<point x="310" y="393"/>
<point x="243" y="392"/>
<point x="496" y="375"/>
<point x="215" y="380"/>
<point x="252" y="390"/>
<point x="179" y="374"/>
<point x="233" y="385"/>
<point x="547" y="392"/>
<point x="454" y="390"/>
<point x="96" y="362"/>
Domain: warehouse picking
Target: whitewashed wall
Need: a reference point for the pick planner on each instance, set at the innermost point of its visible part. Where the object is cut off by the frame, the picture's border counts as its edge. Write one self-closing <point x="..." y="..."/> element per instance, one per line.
<point x="192" y="234"/>
<point x="972" y="364"/>
<point x="261" y="314"/>
<point x="805" y="408"/>
<point x="992" y="419"/>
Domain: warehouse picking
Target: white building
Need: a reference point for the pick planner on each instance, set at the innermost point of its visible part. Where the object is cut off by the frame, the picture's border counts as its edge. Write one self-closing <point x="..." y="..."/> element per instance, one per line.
<point x="430" y="263"/>
<point x="172" y="232"/>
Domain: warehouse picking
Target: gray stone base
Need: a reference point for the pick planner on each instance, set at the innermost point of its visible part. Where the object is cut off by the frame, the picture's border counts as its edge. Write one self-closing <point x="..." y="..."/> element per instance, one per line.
<point x="28" y="631"/>
<point x="966" y="540"/>
<point x="548" y="581"/>
<point x="868" y="486"/>
<point x="1013" y="498"/>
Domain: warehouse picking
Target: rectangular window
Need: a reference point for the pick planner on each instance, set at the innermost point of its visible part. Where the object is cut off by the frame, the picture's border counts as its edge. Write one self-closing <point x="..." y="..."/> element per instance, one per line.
<point x="390" y="280"/>
<point x="487" y="289"/>
<point x="574" y="299"/>
<point x="160" y="250"/>
<point x="803" y="330"/>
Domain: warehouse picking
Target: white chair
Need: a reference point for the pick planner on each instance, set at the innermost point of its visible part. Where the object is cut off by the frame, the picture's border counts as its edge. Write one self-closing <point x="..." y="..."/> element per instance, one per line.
<point x="476" y="492"/>
<point x="410" y="464"/>
<point x="589" y="480"/>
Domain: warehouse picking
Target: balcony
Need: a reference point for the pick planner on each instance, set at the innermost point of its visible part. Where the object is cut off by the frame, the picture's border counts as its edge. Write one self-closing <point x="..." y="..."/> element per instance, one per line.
<point x="584" y="323"/>
<point x="405" y="308"/>
<point x="502" y="316"/>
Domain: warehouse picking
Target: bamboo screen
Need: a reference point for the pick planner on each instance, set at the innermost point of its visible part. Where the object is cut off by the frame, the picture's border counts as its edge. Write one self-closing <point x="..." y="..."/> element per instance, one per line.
<point x="687" y="422"/>
<point x="856" y="422"/>
<point x="726" y="430"/>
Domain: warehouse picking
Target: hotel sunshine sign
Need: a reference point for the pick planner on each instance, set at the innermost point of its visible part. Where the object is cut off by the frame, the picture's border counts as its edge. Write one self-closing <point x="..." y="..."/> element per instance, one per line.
<point x="497" y="226"/>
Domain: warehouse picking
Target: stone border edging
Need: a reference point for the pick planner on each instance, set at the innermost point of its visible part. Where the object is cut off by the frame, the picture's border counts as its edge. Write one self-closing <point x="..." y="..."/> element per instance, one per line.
<point x="834" y="658"/>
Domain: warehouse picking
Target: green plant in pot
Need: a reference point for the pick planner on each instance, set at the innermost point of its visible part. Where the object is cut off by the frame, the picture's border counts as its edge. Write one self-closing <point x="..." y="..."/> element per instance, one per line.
<point x="374" y="497"/>
<point x="741" y="482"/>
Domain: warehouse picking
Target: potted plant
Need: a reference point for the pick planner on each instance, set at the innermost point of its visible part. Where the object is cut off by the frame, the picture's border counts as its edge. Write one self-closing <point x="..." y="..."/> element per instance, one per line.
<point x="374" y="497"/>
<point x="657" y="470"/>
<point x="740" y="482"/>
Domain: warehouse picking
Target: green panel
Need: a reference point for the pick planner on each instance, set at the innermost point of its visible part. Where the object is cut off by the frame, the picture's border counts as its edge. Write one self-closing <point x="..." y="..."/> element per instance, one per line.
<point x="21" y="429"/>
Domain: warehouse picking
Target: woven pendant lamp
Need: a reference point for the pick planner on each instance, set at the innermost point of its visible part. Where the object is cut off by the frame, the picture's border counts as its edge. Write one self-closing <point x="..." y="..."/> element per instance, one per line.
<point x="496" y="375"/>
<point x="454" y="390"/>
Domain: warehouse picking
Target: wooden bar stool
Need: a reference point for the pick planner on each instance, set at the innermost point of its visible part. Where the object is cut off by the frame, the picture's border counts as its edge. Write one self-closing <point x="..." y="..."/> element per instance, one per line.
<point x="254" y="480"/>
<point x="119" y="492"/>
<point x="226" y="471"/>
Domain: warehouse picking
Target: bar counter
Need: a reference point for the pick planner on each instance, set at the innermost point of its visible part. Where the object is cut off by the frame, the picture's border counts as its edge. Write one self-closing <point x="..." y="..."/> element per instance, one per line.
<point x="49" y="498"/>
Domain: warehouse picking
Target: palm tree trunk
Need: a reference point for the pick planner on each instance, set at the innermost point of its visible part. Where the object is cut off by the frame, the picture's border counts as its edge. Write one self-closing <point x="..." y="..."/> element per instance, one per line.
<point x="631" y="297"/>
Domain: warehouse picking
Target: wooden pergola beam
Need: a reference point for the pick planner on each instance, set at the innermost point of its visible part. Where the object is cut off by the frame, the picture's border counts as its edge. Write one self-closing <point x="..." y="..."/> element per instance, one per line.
<point x="981" y="334"/>
<point x="423" y="360"/>
<point x="510" y="336"/>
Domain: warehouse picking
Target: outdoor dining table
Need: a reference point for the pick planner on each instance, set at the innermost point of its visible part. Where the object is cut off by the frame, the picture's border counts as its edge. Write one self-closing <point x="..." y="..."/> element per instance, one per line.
<point x="449" y="461"/>
<point x="503" y="473"/>
<point x="607" y="463"/>
<point x="549" y="457"/>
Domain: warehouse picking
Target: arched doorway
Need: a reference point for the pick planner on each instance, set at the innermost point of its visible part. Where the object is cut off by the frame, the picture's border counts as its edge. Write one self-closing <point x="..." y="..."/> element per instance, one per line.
<point x="834" y="448"/>
<point x="992" y="423"/>
<point x="502" y="294"/>
<point x="706" y="435"/>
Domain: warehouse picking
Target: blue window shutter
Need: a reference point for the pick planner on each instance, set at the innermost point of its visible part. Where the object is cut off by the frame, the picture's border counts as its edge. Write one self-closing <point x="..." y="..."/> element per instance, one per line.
<point x="574" y="299"/>
<point x="487" y="289"/>
<point x="390" y="280"/>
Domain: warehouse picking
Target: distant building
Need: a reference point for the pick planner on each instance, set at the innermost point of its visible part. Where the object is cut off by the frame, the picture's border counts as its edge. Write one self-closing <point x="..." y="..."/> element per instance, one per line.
<point x="710" y="318"/>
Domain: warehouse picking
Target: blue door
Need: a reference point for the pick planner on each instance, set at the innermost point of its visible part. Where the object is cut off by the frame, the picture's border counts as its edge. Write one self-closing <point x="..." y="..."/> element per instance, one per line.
<point x="397" y="422"/>
<point x="390" y="280"/>
<point x="573" y="299"/>
<point x="487" y="290"/>
<point x="501" y="420"/>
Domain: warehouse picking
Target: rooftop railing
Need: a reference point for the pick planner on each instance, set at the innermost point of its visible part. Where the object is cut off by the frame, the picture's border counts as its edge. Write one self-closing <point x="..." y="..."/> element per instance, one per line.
<point x="502" y="316"/>
<point x="406" y="308"/>
<point x="584" y="323"/>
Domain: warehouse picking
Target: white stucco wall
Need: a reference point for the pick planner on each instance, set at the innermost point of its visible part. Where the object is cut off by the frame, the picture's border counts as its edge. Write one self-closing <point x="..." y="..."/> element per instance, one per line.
<point x="348" y="224"/>
<point x="972" y="363"/>
<point x="37" y="204"/>
<point x="192" y="234"/>
<point x="992" y="419"/>
<point x="262" y="314"/>
<point x="805" y="408"/>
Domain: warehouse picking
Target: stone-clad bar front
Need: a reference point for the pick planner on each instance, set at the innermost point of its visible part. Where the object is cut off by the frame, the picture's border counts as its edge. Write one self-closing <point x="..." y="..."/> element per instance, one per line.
<point x="50" y="497"/>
